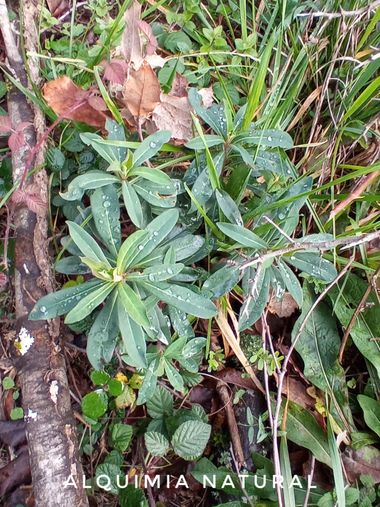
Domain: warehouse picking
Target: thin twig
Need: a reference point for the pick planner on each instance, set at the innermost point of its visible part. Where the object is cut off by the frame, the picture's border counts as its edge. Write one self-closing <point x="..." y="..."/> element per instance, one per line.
<point x="342" y="13"/>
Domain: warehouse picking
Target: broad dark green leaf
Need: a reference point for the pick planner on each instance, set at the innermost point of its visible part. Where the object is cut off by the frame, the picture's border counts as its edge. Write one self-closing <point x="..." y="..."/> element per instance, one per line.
<point x="190" y="439"/>
<point x="160" y="404"/>
<point x="156" y="443"/>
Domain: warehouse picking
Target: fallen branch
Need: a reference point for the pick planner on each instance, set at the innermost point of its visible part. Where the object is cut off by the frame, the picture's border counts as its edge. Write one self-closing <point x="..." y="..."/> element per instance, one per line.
<point x="50" y="426"/>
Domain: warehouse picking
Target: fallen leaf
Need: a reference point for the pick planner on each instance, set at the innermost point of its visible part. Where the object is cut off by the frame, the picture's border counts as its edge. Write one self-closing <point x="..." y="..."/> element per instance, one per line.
<point x="58" y="7"/>
<point x="72" y="102"/>
<point x="13" y="433"/>
<point x="16" y="472"/>
<point x="155" y="61"/>
<point x="364" y="461"/>
<point x="179" y="86"/>
<point x="283" y="307"/>
<point x="5" y="124"/>
<point x="131" y="47"/>
<point x="173" y="113"/>
<point x="141" y="92"/>
<point x="151" y="41"/>
<point x="207" y="95"/>
<point x="115" y="71"/>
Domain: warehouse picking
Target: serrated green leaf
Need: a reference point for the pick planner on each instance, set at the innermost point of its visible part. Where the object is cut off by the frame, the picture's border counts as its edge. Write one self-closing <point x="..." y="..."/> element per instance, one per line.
<point x="121" y="436"/>
<point x="95" y="404"/>
<point x="106" y="213"/>
<point x="156" y="443"/>
<point x="160" y="404"/>
<point x="190" y="439"/>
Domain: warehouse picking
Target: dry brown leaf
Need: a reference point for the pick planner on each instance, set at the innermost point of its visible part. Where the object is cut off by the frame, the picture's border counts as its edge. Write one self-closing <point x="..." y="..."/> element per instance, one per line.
<point x="71" y="102"/>
<point x="173" y="113"/>
<point x="115" y="71"/>
<point x="58" y="7"/>
<point x="364" y="461"/>
<point x="179" y="86"/>
<point x="207" y="95"/>
<point x="141" y="92"/>
<point x="284" y="307"/>
<point x="131" y="47"/>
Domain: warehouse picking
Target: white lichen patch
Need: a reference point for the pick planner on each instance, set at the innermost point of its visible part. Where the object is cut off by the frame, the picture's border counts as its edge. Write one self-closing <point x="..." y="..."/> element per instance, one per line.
<point x="24" y="341"/>
<point x="30" y="415"/>
<point x="54" y="388"/>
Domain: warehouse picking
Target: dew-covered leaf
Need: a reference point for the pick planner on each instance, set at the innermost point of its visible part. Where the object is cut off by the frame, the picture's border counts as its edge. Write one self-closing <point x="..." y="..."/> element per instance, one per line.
<point x="241" y="235"/>
<point x="133" y="337"/>
<point x="313" y="264"/>
<point x="106" y="212"/>
<point x="132" y="204"/>
<point x="88" y="303"/>
<point x="89" y="181"/>
<point x="150" y="146"/>
<point x="132" y="304"/>
<point x="87" y="245"/>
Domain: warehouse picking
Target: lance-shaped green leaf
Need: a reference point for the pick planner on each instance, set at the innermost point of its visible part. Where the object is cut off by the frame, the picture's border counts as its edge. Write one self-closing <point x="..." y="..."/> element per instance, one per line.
<point x="148" y="386"/>
<point x="103" y="335"/>
<point x="222" y="281"/>
<point x="153" y="175"/>
<point x="199" y="143"/>
<point x="214" y="116"/>
<point x="71" y="266"/>
<point x="313" y="264"/>
<point x="157" y="230"/>
<point x="229" y="207"/>
<point x="133" y="336"/>
<point x="100" y="145"/>
<point x="269" y="138"/>
<point x="132" y="204"/>
<point x="106" y="212"/>
<point x="89" y="181"/>
<point x="162" y="272"/>
<point x="243" y="236"/>
<point x="182" y="298"/>
<point x="86" y="244"/>
<point x="60" y="302"/>
<point x="150" y="146"/>
<point x="371" y="410"/>
<point x="132" y="304"/>
<point x="291" y="282"/>
<point x="89" y="303"/>
<point x="174" y="376"/>
<point x="156" y="195"/>
<point x="130" y="249"/>
<point x="256" y="300"/>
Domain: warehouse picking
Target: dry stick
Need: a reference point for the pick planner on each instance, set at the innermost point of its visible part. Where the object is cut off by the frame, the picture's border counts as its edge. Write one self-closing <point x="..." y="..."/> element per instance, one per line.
<point x="222" y="390"/>
<point x="309" y="245"/>
<point x="282" y="374"/>
<point x="50" y="425"/>
<point x="342" y="13"/>
<point x="355" y="314"/>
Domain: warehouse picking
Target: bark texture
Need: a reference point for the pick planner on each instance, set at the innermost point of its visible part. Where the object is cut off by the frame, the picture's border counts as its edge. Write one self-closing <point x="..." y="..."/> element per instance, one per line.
<point x="50" y="425"/>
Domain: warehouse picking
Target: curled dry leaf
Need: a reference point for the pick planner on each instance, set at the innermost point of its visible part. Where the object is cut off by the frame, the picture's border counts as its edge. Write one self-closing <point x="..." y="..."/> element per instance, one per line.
<point x="173" y="113"/>
<point x="141" y="92"/>
<point x="72" y="102"/>
<point x="283" y="307"/>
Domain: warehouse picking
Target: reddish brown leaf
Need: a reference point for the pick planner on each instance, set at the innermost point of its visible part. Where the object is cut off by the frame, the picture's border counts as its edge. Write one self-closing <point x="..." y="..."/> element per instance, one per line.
<point x="179" y="86"/>
<point x="141" y="92"/>
<point x="283" y="307"/>
<point x="115" y="71"/>
<point x="97" y="103"/>
<point x="173" y="113"/>
<point x="5" y="123"/>
<point x="71" y="102"/>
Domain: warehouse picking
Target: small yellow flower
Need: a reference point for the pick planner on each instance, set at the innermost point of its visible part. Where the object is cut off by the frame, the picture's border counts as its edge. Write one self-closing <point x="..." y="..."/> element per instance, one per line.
<point x="121" y="377"/>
